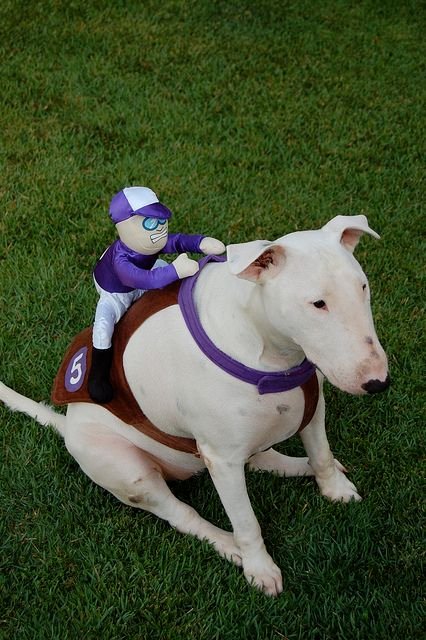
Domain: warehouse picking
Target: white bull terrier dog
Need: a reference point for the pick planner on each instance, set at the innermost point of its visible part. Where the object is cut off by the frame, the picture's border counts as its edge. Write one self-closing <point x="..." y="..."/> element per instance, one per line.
<point x="270" y="307"/>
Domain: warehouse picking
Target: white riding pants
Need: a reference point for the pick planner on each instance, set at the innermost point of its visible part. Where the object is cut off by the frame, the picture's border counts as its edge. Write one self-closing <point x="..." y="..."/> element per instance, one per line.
<point x="110" y="308"/>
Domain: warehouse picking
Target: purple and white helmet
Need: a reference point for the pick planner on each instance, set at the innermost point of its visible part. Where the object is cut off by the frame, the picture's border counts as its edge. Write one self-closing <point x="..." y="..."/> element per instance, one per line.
<point x="137" y="201"/>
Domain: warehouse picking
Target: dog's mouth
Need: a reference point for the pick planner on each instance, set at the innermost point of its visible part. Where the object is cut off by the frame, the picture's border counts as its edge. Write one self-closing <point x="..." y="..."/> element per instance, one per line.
<point x="336" y="382"/>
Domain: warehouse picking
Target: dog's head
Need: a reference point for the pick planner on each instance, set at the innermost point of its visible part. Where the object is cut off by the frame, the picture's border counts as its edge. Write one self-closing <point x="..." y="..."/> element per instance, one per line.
<point x="315" y="292"/>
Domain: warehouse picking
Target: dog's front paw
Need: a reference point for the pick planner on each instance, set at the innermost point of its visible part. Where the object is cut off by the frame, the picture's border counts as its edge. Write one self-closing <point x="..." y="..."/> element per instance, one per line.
<point x="264" y="574"/>
<point x="338" y="487"/>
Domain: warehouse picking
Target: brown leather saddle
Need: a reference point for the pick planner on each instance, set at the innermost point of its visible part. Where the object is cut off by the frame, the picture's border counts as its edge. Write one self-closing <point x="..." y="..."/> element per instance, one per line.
<point x="71" y="381"/>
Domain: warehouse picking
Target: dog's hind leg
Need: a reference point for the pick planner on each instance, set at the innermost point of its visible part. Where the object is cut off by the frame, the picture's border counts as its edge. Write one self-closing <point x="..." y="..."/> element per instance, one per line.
<point x="282" y="465"/>
<point x="132" y="476"/>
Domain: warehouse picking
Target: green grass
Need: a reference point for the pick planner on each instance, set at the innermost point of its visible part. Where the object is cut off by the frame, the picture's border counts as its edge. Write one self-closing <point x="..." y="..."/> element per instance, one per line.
<point x="250" y="119"/>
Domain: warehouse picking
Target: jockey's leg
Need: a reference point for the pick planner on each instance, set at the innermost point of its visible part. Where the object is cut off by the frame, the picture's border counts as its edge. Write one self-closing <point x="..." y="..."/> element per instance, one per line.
<point x="110" y="308"/>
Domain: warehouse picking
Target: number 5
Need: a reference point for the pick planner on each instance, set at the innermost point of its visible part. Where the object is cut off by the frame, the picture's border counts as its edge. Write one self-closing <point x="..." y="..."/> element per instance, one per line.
<point x="76" y="369"/>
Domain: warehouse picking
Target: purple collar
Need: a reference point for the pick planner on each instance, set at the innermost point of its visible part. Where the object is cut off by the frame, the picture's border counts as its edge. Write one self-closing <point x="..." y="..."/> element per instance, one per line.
<point x="266" y="382"/>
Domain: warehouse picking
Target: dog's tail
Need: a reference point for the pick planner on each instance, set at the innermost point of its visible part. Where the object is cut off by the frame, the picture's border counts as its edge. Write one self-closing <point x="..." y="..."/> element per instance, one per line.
<point x="37" y="410"/>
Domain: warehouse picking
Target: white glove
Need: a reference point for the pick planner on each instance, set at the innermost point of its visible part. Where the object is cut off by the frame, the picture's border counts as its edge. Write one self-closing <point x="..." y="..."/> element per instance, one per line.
<point x="211" y="246"/>
<point x="185" y="266"/>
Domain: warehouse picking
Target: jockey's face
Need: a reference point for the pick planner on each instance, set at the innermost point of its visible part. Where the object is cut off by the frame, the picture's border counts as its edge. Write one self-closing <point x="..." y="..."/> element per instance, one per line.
<point x="144" y="235"/>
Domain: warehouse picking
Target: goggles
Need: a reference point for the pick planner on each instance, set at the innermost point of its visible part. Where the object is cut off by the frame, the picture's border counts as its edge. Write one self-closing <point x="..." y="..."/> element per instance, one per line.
<point x="150" y="224"/>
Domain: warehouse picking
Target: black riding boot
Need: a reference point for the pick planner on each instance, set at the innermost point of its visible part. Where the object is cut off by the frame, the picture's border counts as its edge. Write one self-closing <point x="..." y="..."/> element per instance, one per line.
<point x="100" y="388"/>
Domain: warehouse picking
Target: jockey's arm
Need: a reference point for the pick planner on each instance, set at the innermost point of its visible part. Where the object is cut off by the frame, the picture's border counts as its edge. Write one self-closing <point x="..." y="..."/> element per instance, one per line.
<point x="139" y="278"/>
<point x="182" y="242"/>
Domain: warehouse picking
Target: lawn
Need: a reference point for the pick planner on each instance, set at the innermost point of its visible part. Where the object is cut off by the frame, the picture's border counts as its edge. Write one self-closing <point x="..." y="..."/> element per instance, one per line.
<point x="251" y="120"/>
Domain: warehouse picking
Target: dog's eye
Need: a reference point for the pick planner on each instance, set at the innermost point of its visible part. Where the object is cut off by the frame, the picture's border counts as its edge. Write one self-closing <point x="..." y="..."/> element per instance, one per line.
<point x="319" y="304"/>
<point x="364" y="286"/>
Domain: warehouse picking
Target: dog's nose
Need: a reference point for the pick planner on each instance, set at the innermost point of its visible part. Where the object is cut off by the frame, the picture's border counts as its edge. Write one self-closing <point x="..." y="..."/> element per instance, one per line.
<point x="376" y="386"/>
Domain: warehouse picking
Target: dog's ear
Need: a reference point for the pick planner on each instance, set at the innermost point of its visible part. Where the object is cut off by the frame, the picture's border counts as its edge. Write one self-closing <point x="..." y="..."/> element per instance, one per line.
<point x="256" y="261"/>
<point x="349" y="229"/>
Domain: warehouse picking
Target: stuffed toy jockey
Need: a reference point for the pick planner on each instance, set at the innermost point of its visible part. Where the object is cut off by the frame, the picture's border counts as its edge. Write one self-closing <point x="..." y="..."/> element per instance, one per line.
<point x="130" y="266"/>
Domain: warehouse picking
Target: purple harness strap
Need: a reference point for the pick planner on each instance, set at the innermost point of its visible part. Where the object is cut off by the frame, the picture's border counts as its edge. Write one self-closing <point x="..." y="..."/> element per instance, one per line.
<point x="266" y="382"/>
